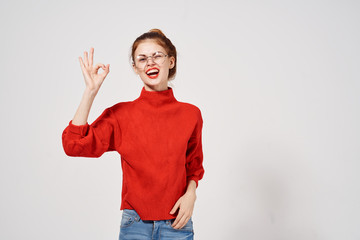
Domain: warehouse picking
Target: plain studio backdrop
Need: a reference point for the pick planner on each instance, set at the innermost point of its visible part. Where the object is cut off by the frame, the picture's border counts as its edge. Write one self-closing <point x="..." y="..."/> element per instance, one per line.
<point x="278" y="86"/>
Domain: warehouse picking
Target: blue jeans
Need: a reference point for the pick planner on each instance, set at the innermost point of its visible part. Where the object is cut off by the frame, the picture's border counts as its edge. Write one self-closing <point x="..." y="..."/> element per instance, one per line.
<point x="133" y="228"/>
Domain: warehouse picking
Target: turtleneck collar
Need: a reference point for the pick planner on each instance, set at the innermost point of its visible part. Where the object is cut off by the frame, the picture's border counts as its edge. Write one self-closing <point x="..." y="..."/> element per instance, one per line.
<point x="157" y="98"/>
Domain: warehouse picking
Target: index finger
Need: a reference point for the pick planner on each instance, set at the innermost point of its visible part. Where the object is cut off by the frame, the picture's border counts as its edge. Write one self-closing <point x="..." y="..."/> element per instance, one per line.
<point x="177" y="221"/>
<point x="91" y="56"/>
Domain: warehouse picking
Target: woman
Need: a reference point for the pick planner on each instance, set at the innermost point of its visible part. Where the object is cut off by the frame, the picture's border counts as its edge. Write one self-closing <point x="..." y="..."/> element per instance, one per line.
<point x="158" y="138"/>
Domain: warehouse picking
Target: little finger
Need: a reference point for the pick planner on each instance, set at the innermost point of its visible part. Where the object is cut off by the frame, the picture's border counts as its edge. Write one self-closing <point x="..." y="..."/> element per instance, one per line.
<point x="83" y="68"/>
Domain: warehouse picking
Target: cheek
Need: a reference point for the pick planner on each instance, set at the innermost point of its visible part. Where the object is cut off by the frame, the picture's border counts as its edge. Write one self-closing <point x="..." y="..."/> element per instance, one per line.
<point x="166" y="68"/>
<point x="165" y="72"/>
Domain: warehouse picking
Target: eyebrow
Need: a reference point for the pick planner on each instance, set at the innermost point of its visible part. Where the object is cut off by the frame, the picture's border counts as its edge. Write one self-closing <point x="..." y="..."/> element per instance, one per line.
<point x="151" y="54"/>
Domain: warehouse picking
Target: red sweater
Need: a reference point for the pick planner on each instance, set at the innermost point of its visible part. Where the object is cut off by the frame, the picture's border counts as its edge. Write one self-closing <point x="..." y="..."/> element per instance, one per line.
<point x="159" y="141"/>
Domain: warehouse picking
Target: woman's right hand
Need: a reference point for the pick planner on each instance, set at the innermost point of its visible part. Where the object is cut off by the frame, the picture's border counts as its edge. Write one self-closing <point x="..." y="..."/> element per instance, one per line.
<point x="93" y="79"/>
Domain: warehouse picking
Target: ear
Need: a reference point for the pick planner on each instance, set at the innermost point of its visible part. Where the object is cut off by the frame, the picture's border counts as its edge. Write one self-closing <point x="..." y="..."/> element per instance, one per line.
<point x="172" y="62"/>
<point x="135" y="68"/>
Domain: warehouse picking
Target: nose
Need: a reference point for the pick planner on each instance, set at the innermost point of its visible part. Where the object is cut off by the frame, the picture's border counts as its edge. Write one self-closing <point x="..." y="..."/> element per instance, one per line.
<point x="150" y="62"/>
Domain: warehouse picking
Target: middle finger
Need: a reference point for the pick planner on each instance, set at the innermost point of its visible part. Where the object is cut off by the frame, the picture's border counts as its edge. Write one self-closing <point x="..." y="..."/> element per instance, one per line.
<point x="177" y="220"/>
<point x="181" y="222"/>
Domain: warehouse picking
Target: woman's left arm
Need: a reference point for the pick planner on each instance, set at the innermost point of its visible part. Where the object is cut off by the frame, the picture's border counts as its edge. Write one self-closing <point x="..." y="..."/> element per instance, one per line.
<point x="194" y="172"/>
<point x="191" y="188"/>
<point x="186" y="204"/>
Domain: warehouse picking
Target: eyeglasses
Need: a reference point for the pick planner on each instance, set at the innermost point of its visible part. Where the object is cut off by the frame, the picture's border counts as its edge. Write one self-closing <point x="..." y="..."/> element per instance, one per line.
<point x="157" y="57"/>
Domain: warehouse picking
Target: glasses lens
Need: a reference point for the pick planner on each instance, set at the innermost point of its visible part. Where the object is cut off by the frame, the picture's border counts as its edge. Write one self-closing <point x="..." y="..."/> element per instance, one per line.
<point x="140" y="60"/>
<point x="157" y="57"/>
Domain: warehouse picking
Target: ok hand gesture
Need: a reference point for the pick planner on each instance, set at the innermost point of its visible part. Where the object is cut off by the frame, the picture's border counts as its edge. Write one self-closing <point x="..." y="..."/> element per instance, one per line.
<point x="93" y="79"/>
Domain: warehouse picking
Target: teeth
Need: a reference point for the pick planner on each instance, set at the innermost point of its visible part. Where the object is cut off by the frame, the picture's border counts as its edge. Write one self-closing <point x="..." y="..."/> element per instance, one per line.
<point x="152" y="71"/>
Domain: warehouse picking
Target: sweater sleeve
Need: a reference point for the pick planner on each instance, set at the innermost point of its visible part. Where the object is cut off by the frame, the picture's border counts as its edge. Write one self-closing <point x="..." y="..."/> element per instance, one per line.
<point x="194" y="154"/>
<point x="92" y="140"/>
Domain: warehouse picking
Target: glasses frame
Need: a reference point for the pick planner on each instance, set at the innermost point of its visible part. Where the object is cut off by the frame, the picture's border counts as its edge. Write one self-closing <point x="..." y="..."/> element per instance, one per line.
<point x="151" y="56"/>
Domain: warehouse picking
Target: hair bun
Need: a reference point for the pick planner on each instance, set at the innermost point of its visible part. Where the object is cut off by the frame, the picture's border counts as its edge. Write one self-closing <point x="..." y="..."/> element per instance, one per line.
<point x="157" y="31"/>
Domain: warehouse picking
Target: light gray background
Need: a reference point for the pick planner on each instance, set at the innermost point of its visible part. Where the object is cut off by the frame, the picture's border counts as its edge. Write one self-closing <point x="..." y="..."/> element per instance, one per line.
<point x="278" y="86"/>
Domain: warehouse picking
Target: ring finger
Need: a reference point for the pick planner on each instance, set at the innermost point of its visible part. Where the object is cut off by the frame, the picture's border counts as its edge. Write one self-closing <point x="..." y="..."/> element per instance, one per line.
<point x="86" y="60"/>
<point x="91" y="56"/>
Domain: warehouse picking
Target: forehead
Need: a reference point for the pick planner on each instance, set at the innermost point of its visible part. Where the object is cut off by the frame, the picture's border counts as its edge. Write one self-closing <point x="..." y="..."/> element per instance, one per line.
<point x="148" y="47"/>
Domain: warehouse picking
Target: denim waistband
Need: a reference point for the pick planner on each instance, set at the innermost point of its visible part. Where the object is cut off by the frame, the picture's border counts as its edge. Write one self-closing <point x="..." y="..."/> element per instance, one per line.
<point x="131" y="212"/>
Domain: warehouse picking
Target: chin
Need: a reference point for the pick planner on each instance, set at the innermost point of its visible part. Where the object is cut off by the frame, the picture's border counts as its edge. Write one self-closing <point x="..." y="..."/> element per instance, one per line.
<point x="154" y="82"/>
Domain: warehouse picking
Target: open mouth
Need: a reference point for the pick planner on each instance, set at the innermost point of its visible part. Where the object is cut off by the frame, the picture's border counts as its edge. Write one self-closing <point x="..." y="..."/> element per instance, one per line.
<point x="153" y="72"/>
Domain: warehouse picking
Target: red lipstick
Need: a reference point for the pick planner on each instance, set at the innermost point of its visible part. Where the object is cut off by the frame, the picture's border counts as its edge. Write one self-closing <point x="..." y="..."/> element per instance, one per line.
<point x="153" y="72"/>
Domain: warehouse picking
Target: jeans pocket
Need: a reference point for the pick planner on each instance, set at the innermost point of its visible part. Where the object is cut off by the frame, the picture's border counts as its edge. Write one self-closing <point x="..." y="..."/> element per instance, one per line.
<point x="188" y="226"/>
<point x="126" y="220"/>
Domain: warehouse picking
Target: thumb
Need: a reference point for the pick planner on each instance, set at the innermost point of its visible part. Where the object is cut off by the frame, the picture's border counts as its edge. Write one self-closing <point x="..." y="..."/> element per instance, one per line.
<point x="106" y="70"/>
<point x="173" y="210"/>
